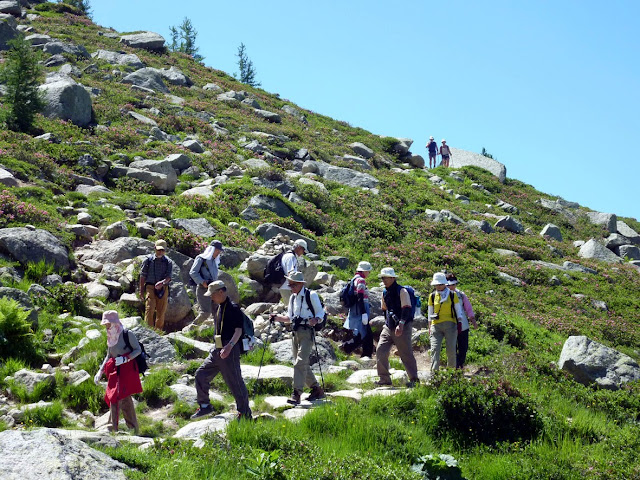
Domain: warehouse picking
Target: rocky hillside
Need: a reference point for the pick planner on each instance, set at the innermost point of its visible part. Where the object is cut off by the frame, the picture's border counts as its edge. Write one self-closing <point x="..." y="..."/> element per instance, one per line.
<point x="137" y="144"/>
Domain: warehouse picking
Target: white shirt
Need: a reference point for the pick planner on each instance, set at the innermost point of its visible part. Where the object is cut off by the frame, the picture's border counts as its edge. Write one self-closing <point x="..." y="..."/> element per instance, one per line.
<point x="298" y="305"/>
<point x="289" y="264"/>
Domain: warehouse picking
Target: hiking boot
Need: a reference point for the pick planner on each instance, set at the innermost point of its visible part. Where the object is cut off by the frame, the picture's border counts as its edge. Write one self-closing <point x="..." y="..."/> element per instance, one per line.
<point x="413" y="383"/>
<point x="202" y="411"/>
<point x="316" y="393"/>
<point x="295" y="397"/>
<point x="244" y="416"/>
<point x="380" y="383"/>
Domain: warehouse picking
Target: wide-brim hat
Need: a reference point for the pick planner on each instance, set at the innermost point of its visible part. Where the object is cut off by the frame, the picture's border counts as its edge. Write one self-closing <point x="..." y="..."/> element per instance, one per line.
<point x="217" y="244"/>
<point x="439" y="279"/>
<point x="387" y="272"/>
<point x="214" y="287"/>
<point x="301" y="243"/>
<point x="364" y="267"/>
<point x="297" y="277"/>
<point x="110" y="316"/>
<point x="444" y="141"/>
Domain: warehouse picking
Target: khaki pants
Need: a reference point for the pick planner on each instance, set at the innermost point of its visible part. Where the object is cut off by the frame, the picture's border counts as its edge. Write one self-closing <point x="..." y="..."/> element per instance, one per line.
<point x="302" y="345"/>
<point x="443" y="331"/>
<point x="155" y="305"/>
<point x="205" y="307"/>
<point x="128" y="412"/>
<point x="405" y="350"/>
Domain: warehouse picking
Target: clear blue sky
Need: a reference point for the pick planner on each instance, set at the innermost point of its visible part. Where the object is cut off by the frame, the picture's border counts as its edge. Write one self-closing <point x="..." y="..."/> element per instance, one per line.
<point x="550" y="88"/>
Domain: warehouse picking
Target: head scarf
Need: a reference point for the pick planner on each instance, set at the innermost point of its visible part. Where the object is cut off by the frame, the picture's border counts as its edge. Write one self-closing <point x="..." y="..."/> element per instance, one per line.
<point x="116" y="328"/>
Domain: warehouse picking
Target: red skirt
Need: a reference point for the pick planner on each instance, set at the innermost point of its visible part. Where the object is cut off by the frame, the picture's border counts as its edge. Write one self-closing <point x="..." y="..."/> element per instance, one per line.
<point x="122" y="381"/>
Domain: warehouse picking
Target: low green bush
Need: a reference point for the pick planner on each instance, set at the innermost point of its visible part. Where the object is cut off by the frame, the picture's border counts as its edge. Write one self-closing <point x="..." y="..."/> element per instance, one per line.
<point x="49" y="416"/>
<point x="184" y="242"/>
<point x="8" y="367"/>
<point x="16" y="335"/>
<point x="36" y="271"/>
<point x="68" y="297"/>
<point x="86" y="396"/>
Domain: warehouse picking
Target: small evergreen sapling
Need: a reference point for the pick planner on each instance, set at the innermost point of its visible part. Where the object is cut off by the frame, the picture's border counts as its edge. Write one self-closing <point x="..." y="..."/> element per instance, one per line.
<point x="247" y="71"/>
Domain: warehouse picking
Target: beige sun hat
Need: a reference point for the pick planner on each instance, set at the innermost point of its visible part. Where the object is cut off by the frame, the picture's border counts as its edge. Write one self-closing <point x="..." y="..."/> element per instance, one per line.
<point x="387" y="272"/>
<point x="439" y="279"/>
<point x="297" y="277"/>
<point x="214" y="287"/>
<point x="161" y="245"/>
<point x="364" y="267"/>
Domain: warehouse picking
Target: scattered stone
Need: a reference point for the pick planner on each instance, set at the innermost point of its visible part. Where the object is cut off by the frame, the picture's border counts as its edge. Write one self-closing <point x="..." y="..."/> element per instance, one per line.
<point x="196" y="226"/>
<point x="551" y="231"/>
<point x="623" y="229"/>
<point x="510" y="224"/>
<point x="609" y="220"/>
<point x="147" y="40"/>
<point x="461" y="158"/>
<point x="594" y="249"/>
<point x="195" y="430"/>
<point x="509" y="279"/>
<point x="362" y="150"/>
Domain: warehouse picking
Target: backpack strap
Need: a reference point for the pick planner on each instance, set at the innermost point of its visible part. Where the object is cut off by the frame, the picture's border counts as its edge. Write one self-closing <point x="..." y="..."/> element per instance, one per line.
<point x="453" y="307"/>
<point x="125" y="337"/>
<point x="307" y="297"/>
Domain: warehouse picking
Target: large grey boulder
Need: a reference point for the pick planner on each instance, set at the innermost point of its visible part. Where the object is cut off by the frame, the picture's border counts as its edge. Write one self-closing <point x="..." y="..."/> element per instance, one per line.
<point x="623" y="229"/>
<point x="483" y="225"/>
<point x="67" y="100"/>
<point x="231" y="257"/>
<point x="361" y="149"/>
<point x="147" y="40"/>
<point x="632" y="252"/>
<point x="616" y="240"/>
<point x="270" y="230"/>
<point x="29" y="380"/>
<point x="147" y="78"/>
<point x="346" y="176"/>
<point x="115" y="251"/>
<point x="26" y="245"/>
<point x="198" y="191"/>
<point x="59" y="48"/>
<point x="195" y="430"/>
<point x="175" y="77"/>
<point x="179" y="161"/>
<point x="23" y="299"/>
<point x="7" y="179"/>
<point x="11" y="7"/>
<point x="552" y="231"/>
<point x="159" y="349"/>
<point x="609" y="220"/>
<point x="416" y="161"/>
<point x="159" y="173"/>
<point x="46" y="454"/>
<point x="268" y="116"/>
<point x="117" y="58"/>
<point x="462" y="158"/>
<point x="594" y="249"/>
<point x="591" y="362"/>
<point x="295" y="112"/>
<point x="510" y="224"/>
<point x="7" y="32"/>
<point x="274" y="205"/>
<point x="196" y="226"/>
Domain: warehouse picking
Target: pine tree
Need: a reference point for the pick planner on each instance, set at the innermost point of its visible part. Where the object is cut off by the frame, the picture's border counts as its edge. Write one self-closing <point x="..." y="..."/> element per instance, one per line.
<point x="183" y="39"/>
<point x="20" y="75"/>
<point x="83" y="5"/>
<point x="247" y="71"/>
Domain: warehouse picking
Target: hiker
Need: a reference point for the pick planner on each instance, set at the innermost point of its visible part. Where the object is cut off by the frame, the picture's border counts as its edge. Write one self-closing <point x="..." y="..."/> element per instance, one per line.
<point x="225" y="357"/>
<point x="204" y="271"/>
<point x="443" y="324"/>
<point x="463" y="321"/>
<point x="396" y="304"/>
<point x="358" y="318"/>
<point x="123" y="379"/>
<point x="445" y="153"/>
<point x="432" y="146"/>
<point x="290" y="264"/>
<point x="155" y="276"/>
<point x="305" y="311"/>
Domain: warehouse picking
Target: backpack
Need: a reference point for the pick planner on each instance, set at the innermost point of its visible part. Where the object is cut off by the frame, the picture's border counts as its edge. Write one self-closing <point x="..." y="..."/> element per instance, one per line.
<point x="141" y="359"/>
<point x="348" y="297"/>
<point x="273" y="272"/>
<point x="416" y="301"/>
<point x="248" y="338"/>
<point x="318" y="326"/>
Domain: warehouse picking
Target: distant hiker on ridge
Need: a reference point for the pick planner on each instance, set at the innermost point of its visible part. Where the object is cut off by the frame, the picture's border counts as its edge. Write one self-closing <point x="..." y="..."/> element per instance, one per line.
<point x="432" y="146"/>
<point x="445" y="153"/>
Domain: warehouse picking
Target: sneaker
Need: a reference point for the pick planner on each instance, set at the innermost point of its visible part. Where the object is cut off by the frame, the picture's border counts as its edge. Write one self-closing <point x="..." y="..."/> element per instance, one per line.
<point x="295" y="397"/>
<point x="413" y="383"/>
<point x="379" y="383"/>
<point x="202" y="411"/>
<point x="243" y="416"/>
<point x="316" y="394"/>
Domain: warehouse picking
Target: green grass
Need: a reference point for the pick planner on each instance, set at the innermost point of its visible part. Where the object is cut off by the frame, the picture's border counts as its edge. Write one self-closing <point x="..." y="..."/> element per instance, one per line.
<point x="50" y="416"/>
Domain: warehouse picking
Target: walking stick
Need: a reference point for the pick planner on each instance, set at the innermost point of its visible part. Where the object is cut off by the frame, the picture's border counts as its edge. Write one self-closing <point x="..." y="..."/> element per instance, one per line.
<point x="318" y="356"/>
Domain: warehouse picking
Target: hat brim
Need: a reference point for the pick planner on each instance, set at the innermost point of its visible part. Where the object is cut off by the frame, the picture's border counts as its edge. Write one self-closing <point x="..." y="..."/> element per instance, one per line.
<point x="433" y="284"/>
<point x="160" y="247"/>
<point x="208" y="293"/>
<point x="294" y="280"/>
<point x="388" y="276"/>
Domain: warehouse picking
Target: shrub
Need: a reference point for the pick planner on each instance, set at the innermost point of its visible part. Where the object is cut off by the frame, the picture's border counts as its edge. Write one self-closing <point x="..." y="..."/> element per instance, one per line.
<point x="9" y="367"/>
<point x="182" y="241"/>
<point x="36" y="271"/>
<point x="16" y="337"/>
<point x="86" y="396"/>
<point x="502" y="328"/>
<point x="484" y="410"/>
<point x="68" y="297"/>
<point x="49" y="416"/>
<point x="13" y="211"/>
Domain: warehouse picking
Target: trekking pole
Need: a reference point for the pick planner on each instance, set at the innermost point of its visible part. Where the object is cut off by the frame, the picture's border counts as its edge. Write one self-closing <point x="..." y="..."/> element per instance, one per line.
<point x="264" y="349"/>
<point x="318" y="356"/>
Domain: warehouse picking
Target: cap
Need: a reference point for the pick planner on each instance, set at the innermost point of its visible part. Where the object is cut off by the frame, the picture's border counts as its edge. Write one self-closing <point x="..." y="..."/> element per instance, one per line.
<point x="387" y="272"/>
<point x="300" y="243"/>
<point x="297" y="277"/>
<point x="451" y="279"/>
<point x="217" y="244"/>
<point x="444" y="141"/>
<point x="431" y="138"/>
<point x="110" y="316"/>
<point x="439" y="279"/>
<point x="161" y="245"/>
<point x="364" y="267"/>
<point x="214" y="287"/>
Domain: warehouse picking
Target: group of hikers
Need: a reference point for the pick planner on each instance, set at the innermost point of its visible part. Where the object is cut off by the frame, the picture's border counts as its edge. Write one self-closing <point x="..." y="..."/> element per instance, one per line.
<point x="444" y="152"/>
<point x="449" y="314"/>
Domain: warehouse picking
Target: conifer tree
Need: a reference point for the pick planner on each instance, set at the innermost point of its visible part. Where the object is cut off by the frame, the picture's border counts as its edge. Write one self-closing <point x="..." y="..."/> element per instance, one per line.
<point x="183" y="39"/>
<point x="83" y="5"/>
<point x="20" y="74"/>
<point x="247" y="71"/>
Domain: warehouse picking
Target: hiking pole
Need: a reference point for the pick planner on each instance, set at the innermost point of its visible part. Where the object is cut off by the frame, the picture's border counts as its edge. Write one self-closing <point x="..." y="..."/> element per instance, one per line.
<point x="318" y="356"/>
<point x="264" y="349"/>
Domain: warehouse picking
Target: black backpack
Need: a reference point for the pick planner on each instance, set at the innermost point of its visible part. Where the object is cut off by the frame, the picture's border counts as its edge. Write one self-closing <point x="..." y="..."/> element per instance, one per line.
<point x="318" y="326"/>
<point x="273" y="272"/>
<point x="141" y="359"/>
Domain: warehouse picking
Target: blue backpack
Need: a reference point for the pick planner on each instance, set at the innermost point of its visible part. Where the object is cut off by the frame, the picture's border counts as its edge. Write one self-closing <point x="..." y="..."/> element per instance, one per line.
<point x="348" y="297"/>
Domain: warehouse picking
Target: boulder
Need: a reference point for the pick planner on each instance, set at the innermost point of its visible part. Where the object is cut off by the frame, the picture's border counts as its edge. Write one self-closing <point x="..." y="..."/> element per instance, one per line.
<point x="26" y="245"/>
<point x="143" y="119"/>
<point x="213" y="88"/>
<point x="159" y="348"/>
<point x="551" y="231"/>
<point x="591" y="362"/>
<point x="67" y="100"/>
<point x="594" y="249"/>
<point x="7" y="32"/>
<point x="295" y="112"/>
<point x="147" y="78"/>
<point x="196" y="226"/>
<point x="483" y="225"/>
<point x="623" y="229"/>
<point x="509" y="279"/>
<point x="46" y="454"/>
<point x="175" y="77"/>
<point x="346" y="176"/>
<point x="615" y="240"/>
<point x="60" y="48"/>
<point x="461" y="158"/>
<point x="147" y="40"/>
<point x="361" y="149"/>
<point x="255" y="163"/>
<point x="231" y="257"/>
<point x="327" y="356"/>
<point x="117" y="58"/>
<point x="403" y="146"/>
<point x="574" y="267"/>
<point x="276" y="372"/>
<point x="7" y="179"/>
<point x="510" y="224"/>
<point x="11" y="7"/>
<point x="115" y="251"/>
<point x="195" y="430"/>
<point x="179" y="161"/>
<point x="268" y="116"/>
<point x="200" y="191"/>
<point x="29" y="380"/>
<point x="337" y="261"/>
<point x="609" y="220"/>
<point x="116" y="230"/>
<point x="357" y="161"/>
<point x="160" y="174"/>
<point x="274" y="205"/>
<point x="270" y="230"/>
<point x="631" y="252"/>
<point x="416" y="161"/>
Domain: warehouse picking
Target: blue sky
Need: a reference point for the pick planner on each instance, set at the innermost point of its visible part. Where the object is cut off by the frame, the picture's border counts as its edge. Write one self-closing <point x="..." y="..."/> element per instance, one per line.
<point x="550" y="88"/>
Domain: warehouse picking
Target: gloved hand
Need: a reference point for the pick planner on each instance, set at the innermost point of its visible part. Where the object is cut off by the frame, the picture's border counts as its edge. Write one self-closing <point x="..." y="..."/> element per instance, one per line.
<point x="365" y="319"/>
<point x="98" y="376"/>
<point x="120" y="361"/>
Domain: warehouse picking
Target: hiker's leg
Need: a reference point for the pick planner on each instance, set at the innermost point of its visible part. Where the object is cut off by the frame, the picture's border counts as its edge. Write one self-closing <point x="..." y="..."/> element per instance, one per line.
<point x="367" y="343"/>
<point x="114" y="415"/>
<point x="302" y="373"/>
<point x="150" y="305"/>
<point x="405" y="350"/>
<point x="161" y="308"/>
<point x="129" y="413"/>
<point x="204" y="374"/>
<point x="230" y="369"/>
<point x="463" y="346"/>
<point x="205" y="307"/>
<point x="436" y="345"/>
<point x="382" y="355"/>
<point x="450" y="330"/>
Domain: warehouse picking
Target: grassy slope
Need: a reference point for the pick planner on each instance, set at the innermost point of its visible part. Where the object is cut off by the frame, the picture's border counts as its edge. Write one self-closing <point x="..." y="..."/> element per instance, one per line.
<point x="586" y="433"/>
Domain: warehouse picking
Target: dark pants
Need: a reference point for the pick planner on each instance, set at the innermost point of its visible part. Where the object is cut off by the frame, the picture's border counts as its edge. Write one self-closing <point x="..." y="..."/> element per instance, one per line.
<point x="230" y="370"/>
<point x="461" y="348"/>
<point x="367" y="343"/>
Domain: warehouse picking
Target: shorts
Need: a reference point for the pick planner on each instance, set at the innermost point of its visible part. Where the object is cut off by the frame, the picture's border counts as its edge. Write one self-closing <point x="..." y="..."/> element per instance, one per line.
<point x="432" y="155"/>
<point x="445" y="157"/>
